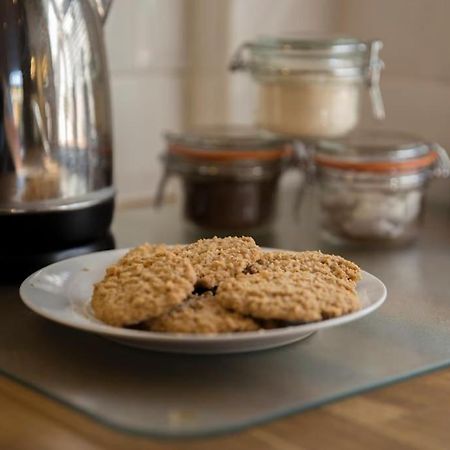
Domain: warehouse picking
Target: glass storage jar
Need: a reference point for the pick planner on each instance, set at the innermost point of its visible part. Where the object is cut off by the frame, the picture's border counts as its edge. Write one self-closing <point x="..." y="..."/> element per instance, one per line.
<point x="372" y="185"/>
<point x="229" y="175"/>
<point x="310" y="87"/>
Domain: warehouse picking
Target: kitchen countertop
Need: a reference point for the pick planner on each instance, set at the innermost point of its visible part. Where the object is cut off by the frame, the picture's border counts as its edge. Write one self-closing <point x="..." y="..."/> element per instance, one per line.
<point x="411" y="414"/>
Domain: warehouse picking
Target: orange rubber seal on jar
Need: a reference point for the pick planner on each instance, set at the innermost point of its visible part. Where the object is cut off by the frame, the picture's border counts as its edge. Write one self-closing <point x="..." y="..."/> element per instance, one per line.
<point x="382" y="166"/>
<point x="231" y="155"/>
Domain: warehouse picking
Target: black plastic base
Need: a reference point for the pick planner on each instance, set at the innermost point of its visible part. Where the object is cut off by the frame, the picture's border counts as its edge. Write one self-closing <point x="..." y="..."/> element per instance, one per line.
<point x="16" y="266"/>
<point x="54" y="230"/>
<point x="30" y="241"/>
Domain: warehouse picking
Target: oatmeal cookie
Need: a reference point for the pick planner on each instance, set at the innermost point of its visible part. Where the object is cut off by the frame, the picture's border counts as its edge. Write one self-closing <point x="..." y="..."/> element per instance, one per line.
<point x="139" y="288"/>
<point x="142" y="251"/>
<point x="201" y="314"/>
<point x="294" y="297"/>
<point x="310" y="261"/>
<point x="217" y="259"/>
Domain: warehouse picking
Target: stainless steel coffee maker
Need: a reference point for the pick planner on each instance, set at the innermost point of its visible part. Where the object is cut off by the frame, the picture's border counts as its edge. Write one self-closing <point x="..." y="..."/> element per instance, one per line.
<point x="55" y="128"/>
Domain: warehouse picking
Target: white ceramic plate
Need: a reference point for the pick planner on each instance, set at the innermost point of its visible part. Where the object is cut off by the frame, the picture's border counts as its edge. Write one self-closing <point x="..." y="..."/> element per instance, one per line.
<point x="61" y="292"/>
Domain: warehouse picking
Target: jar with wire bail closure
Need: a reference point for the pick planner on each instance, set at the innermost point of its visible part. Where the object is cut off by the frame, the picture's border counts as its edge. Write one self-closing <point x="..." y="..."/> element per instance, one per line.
<point x="311" y="86"/>
<point x="372" y="185"/>
<point x="229" y="175"/>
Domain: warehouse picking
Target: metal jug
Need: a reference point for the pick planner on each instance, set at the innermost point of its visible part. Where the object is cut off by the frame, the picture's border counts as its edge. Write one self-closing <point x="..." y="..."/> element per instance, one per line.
<point x="55" y="128"/>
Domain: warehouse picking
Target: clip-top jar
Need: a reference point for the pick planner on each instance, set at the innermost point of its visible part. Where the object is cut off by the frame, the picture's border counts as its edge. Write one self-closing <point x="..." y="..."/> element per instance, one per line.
<point x="229" y="175"/>
<point x="372" y="184"/>
<point x="310" y="87"/>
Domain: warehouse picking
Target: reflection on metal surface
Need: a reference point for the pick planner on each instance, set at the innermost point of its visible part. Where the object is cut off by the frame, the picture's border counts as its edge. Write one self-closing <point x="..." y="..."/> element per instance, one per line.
<point x="55" y="128"/>
<point x="49" y="204"/>
<point x="102" y="8"/>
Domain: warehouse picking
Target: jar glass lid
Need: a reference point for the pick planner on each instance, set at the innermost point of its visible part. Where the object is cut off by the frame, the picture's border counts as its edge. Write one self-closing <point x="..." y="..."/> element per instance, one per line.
<point x="376" y="150"/>
<point x="331" y="43"/>
<point x="293" y="54"/>
<point x="227" y="142"/>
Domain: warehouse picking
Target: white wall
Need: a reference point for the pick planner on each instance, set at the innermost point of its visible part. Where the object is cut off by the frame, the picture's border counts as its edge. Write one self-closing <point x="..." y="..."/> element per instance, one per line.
<point x="147" y="60"/>
<point x="416" y="82"/>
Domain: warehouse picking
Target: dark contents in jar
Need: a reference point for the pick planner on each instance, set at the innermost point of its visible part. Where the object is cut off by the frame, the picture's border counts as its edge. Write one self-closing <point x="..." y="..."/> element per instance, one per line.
<point x="230" y="204"/>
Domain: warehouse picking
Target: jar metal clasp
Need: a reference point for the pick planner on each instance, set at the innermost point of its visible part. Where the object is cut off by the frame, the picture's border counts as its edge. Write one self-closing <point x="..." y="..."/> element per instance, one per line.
<point x="240" y="58"/>
<point x="161" y="187"/>
<point x="442" y="166"/>
<point x="304" y="161"/>
<point x="375" y="67"/>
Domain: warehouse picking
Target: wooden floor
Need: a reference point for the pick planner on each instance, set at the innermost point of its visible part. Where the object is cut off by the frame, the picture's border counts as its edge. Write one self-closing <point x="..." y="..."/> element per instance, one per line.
<point x="414" y="414"/>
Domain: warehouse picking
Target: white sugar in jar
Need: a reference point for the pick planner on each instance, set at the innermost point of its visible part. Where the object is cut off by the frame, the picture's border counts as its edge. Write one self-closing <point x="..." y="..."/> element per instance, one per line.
<point x="320" y="106"/>
<point x="372" y="185"/>
<point x="312" y="87"/>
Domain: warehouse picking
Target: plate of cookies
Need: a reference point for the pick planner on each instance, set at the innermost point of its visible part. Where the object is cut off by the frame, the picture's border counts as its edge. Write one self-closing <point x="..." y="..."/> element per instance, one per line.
<point x="219" y="295"/>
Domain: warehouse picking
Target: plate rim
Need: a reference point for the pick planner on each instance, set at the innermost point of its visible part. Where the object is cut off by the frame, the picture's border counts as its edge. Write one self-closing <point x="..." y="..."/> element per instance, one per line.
<point x="152" y="336"/>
